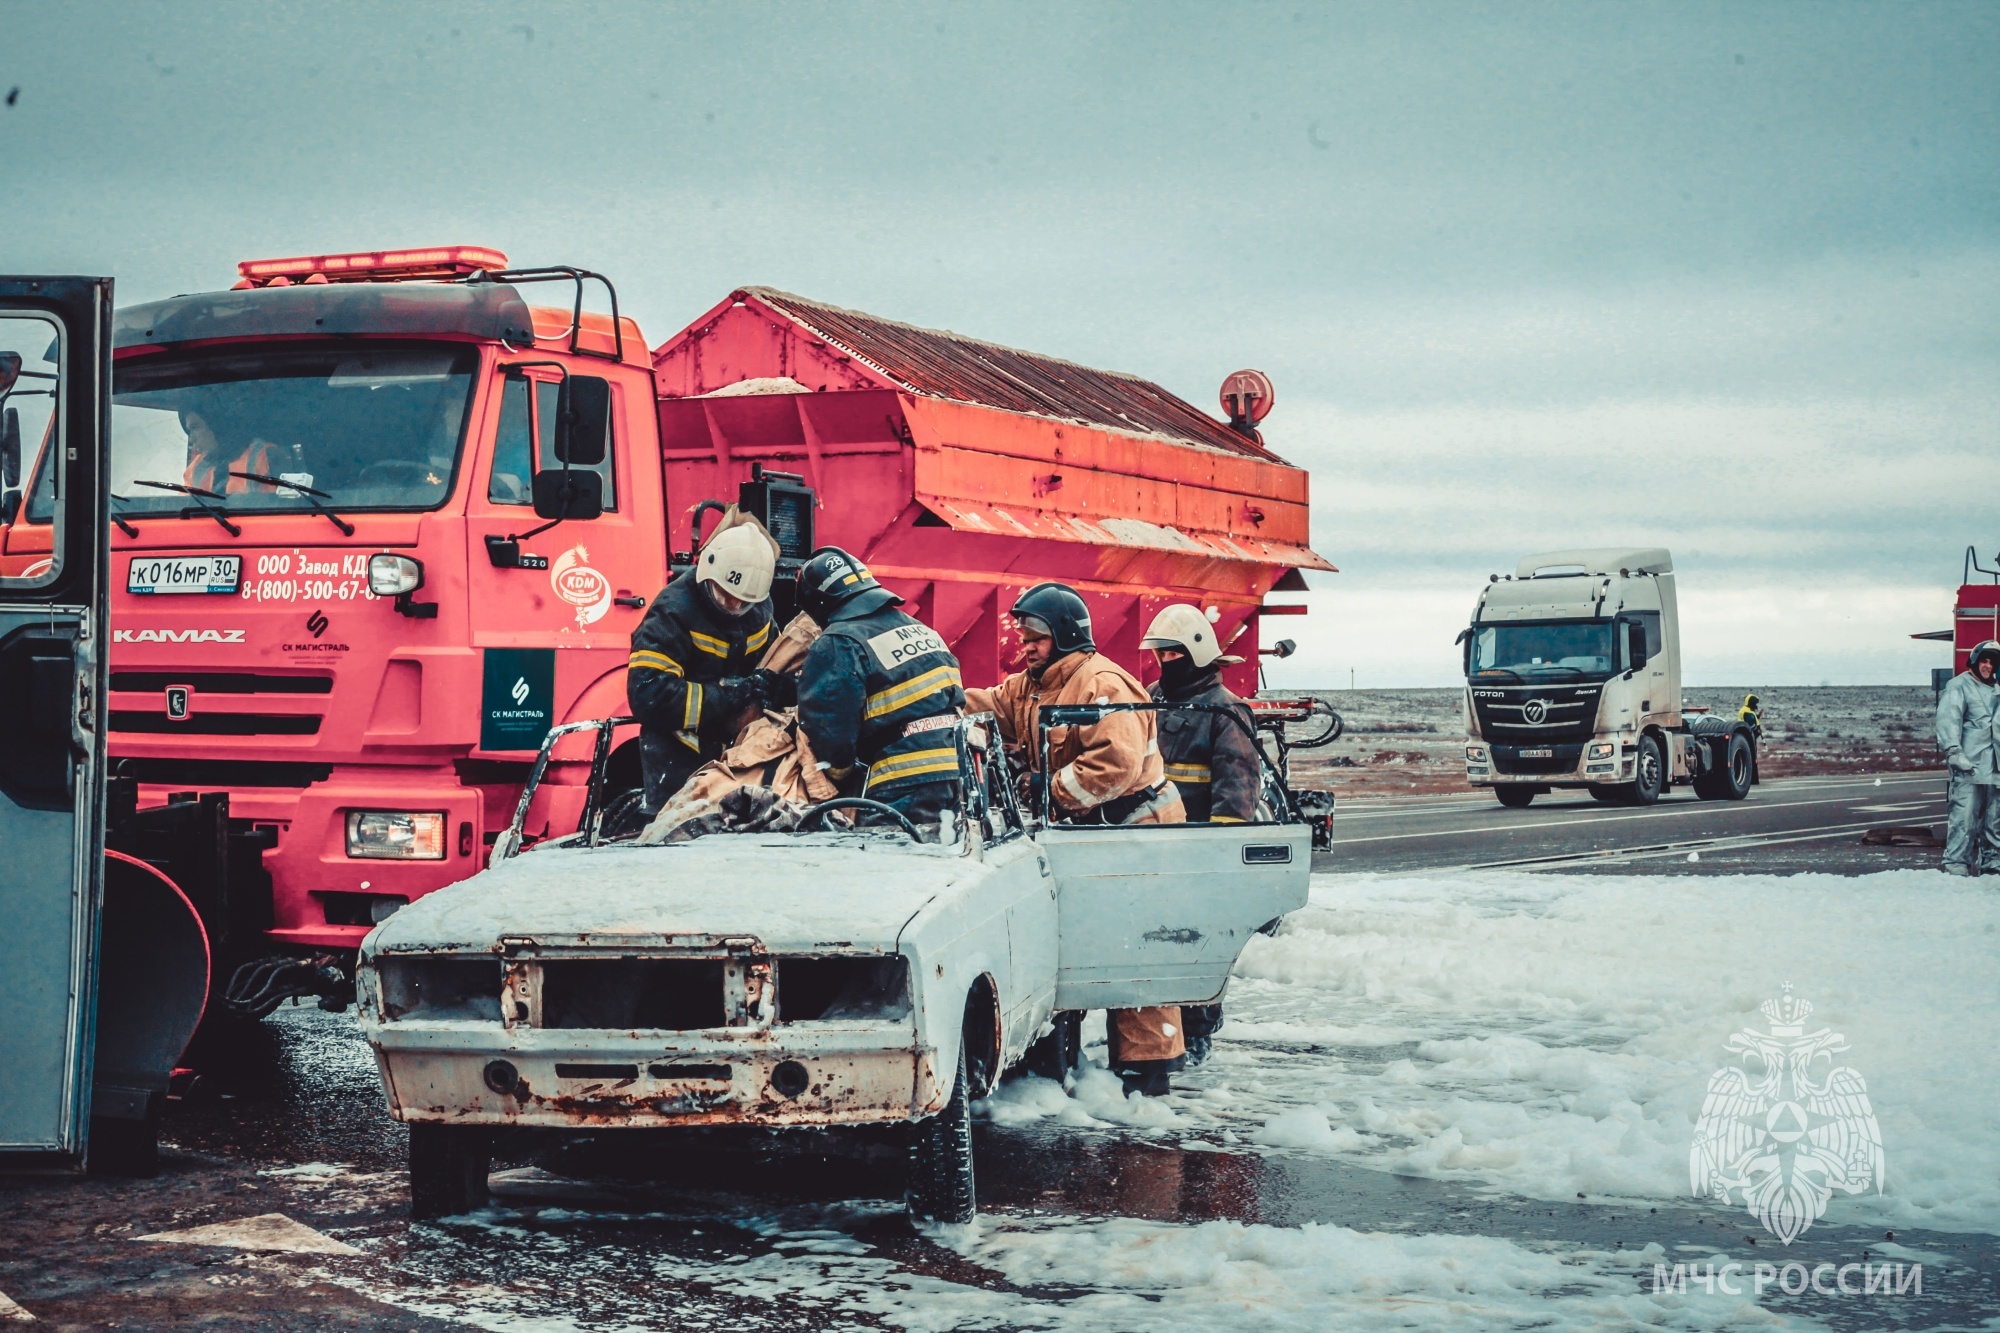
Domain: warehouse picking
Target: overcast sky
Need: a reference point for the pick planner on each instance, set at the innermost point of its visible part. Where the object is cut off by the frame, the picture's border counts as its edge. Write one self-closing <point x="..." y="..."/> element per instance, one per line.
<point x="1720" y="278"/>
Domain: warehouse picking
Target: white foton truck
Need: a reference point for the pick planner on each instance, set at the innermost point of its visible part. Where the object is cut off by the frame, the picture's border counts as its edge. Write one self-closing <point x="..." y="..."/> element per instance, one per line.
<point x="1573" y="679"/>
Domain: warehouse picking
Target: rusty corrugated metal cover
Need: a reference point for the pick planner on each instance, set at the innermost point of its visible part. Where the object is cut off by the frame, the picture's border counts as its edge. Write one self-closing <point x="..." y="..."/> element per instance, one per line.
<point x="941" y="364"/>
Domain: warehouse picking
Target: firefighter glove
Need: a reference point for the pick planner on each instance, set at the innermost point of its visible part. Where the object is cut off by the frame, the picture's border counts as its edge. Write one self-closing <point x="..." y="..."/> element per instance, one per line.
<point x="735" y="693"/>
<point x="778" y="689"/>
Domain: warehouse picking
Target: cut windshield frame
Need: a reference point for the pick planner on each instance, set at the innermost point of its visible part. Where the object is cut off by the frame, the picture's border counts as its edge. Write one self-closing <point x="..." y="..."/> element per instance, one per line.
<point x="1542" y="650"/>
<point x="370" y="426"/>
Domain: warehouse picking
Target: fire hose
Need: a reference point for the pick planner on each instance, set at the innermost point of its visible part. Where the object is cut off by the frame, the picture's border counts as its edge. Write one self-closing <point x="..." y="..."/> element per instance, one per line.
<point x="261" y="985"/>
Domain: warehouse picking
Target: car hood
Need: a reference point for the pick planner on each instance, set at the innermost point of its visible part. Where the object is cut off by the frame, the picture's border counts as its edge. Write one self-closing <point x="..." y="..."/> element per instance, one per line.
<point x="789" y="892"/>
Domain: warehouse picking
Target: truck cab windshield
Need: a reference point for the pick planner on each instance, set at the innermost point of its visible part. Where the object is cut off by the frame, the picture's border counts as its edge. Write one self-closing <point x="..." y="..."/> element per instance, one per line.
<point x="351" y="427"/>
<point x="1545" y="650"/>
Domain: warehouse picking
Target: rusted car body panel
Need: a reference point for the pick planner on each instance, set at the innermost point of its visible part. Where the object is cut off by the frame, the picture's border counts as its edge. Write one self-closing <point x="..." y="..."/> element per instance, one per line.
<point x="755" y="979"/>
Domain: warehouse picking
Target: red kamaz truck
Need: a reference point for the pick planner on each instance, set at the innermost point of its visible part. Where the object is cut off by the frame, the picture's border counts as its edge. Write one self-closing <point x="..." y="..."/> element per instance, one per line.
<point x="383" y="520"/>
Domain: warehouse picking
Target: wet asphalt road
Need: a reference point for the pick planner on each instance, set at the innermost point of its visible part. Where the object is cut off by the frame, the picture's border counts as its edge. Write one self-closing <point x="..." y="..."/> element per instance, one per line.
<point x="1784" y="826"/>
<point x="644" y="1230"/>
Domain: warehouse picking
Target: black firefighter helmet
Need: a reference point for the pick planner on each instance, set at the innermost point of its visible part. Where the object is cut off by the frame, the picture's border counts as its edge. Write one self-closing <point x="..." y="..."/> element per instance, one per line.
<point x="834" y="582"/>
<point x="1055" y="609"/>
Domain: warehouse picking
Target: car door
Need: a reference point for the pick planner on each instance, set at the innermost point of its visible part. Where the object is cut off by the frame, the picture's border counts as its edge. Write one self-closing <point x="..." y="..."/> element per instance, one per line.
<point x="55" y="361"/>
<point x="1157" y="913"/>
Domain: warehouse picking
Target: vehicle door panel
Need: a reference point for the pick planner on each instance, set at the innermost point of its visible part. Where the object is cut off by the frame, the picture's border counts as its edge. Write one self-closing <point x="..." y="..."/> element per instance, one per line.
<point x="1158" y="913"/>
<point x="52" y="627"/>
<point x="575" y="591"/>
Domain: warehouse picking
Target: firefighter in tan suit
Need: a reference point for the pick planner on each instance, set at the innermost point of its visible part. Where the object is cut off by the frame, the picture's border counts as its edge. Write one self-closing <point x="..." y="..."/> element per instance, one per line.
<point x="1107" y="773"/>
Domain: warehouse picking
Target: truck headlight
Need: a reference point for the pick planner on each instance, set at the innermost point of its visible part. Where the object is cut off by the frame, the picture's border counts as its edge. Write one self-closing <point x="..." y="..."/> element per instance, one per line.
<point x="395" y="835"/>
<point x="394" y="575"/>
<point x="1475" y="754"/>
<point x="1602" y="750"/>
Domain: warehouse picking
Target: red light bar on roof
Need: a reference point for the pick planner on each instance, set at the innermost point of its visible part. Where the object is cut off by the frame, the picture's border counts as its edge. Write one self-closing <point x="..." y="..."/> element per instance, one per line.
<point x="446" y="261"/>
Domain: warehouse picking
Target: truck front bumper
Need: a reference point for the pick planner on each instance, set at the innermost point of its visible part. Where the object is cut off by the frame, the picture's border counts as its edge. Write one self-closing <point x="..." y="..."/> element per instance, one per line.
<point x="482" y="1073"/>
<point x="1576" y="764"/>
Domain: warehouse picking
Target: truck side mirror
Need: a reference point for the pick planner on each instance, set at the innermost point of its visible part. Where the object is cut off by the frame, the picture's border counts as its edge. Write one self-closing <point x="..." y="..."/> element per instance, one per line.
<point x="583" y="421"/>
<point x="561" y="493"/>
<point x="1635" y="644"/>
<point x="10" y="505"/>
<point x="10" y="369"/>
<point x="10" y="448"/>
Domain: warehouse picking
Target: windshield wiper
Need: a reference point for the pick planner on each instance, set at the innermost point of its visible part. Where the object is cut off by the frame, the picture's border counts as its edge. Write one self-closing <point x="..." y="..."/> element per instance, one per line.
<point x="196" y="493"/>
<point x="306" y="493"/>
<point x="130" y="531"/>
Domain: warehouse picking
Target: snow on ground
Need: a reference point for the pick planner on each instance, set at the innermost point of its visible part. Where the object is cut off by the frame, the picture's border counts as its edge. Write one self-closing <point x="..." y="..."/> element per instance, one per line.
<point x="1537" y="1037"/>
<point x="1553" y="1035"/>
<point x="558" y="1270"/>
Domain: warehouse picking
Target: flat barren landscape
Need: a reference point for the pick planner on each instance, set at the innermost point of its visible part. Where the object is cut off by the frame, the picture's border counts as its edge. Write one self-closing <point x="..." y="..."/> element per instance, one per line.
<point x="1399" y="742"/>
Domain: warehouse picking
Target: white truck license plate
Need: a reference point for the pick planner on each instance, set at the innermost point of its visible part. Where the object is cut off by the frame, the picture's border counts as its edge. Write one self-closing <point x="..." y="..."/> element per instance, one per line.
<point x="183" y="573"/>
<point x="1538" y="754"/>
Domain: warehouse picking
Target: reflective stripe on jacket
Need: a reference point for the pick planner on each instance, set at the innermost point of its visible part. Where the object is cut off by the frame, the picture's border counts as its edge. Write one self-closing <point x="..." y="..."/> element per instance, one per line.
<point x="866" y="680"/>
<point x="683" y="646"/>
<point x="1092" y="764"/>
<point x="1211" y="759"/>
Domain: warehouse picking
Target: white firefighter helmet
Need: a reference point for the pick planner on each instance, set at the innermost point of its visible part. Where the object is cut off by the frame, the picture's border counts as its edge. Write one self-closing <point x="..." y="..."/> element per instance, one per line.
<point x="740" y="561"/>
<point x="1186" y="628"/>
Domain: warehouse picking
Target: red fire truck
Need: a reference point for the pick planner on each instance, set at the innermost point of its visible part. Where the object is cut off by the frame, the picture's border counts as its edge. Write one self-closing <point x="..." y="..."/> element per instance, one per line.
<point x="383" y="520"/>
<point x="1972" y="618"/>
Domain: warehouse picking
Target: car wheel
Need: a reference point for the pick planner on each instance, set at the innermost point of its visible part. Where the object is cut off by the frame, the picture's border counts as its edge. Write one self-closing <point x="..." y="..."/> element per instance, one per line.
<point x="1514" y="797"/>
<point x="940" y="1187"/>
<point x="1060" y="1053"/>
<point x="1651" y="780"/>
<point x="448" y="1167"/>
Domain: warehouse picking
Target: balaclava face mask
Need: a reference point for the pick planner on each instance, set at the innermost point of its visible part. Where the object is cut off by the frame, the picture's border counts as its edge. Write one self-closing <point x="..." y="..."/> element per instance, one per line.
<point x="1180" y="676"/>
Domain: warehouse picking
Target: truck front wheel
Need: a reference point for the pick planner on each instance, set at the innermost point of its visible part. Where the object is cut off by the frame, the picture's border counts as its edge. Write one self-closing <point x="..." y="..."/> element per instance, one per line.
<point x="941" y="1159"/>
<point x="1514" y="796"/>
<point x="1651" y="780"/>
<point x="448" y="1167"/>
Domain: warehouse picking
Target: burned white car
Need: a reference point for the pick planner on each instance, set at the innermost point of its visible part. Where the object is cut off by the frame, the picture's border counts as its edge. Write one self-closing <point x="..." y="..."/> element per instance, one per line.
<point x="808" y="978"/>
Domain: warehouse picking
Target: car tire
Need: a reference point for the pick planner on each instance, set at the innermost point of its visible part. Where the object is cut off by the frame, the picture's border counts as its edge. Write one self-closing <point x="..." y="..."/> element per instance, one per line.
<point x="941" y="1187"/>
<point x="1645" y="788"/>
<point x="448" y="1169"/>
<point x="1731" y="781"/>
<point x="1060" y="1053"/>
<point x="1514" y="797"/>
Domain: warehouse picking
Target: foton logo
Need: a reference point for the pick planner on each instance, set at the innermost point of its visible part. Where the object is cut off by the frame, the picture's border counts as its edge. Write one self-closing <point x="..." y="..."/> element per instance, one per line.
<point x="177" y="636"/>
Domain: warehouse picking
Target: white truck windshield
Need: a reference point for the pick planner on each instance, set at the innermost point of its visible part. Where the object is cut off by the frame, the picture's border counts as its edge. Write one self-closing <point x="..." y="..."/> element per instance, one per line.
<point x="1569" y="649"/>
<point x="353" y="427"/>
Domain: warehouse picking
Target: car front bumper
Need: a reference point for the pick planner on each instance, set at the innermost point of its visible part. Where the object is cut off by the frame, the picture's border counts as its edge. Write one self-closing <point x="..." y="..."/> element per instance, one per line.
<point x="468" y="1072"/>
